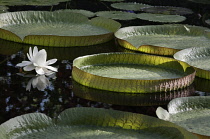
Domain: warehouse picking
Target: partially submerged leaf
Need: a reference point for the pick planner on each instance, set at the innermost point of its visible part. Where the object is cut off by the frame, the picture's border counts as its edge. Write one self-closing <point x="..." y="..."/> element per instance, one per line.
<point x="91" y="123"/>
<point x="131" y="72"/>
<point x="162" y="39"/>
<point x="192" y="113"/>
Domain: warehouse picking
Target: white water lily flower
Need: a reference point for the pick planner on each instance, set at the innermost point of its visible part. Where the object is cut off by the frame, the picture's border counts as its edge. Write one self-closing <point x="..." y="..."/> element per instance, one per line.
<point x="37" y="61"/>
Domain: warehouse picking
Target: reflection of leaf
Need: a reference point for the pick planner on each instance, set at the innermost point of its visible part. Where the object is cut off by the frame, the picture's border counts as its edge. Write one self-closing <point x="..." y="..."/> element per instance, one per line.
<point x="91" y="123"/>
<point x="192" y="113"/>
<point x="129" y="99"/>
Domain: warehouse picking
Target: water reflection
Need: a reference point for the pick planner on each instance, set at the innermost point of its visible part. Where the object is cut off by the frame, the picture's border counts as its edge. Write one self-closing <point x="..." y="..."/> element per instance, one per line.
<point x="130" y="99"/>
<point x="38" y="81"/>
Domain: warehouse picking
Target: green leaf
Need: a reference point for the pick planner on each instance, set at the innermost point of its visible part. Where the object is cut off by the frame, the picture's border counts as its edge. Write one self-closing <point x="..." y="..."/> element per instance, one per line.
<point x="168" y="10"/>
<point x="118" y="15"/>
<point x="129" y="6"/>
<point x="161" y="17"/>
<point x="198" y="57"/>
<point x="81" y="11"/>
<point x="54" y="29"/>
<point x="133" y="73"/>
<point x="192" y="113"/>
<point x="91" y="123"/>
<point x="162" y="39"/>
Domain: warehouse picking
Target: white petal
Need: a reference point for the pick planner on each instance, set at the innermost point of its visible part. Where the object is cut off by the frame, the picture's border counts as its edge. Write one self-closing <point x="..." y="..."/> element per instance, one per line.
<point x="30" y="53"/>
<point x="29" y="67"/>
<point x="39" y="70"/>
<point x="40" y="58"/>
<point x="51" y="61"/>
<point x="52" y="68"/>
<point x="162" y="114"/>
<point x="24" y="63"/>
<point x="35" y="51"/>
<point x="29" y="57"/>
<point x="48" y="73"/>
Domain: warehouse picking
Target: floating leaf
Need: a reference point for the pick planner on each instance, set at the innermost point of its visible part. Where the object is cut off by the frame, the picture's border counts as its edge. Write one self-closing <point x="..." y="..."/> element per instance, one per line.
<point x="162" y="39"/>
<point x="131" y="72"/>
<point x="192" y="113"/>
<point x="168" y="10"/>
<point x="83" y="12"/>
<point x="161" y="17"/>
<point x="199" y="58"/>
<point x="119" y="15"/>
<point x="129" y="6"/>
<point x="54" y="29"/>
<point x="91" y="123"/>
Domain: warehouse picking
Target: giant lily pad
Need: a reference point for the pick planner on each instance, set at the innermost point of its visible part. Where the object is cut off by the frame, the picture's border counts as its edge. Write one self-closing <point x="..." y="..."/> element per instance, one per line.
<point x="91" y="123"/>
<point x="54" y="29"/>
<point x="199" y="58"/>
<point x="131" y="72"/>
<point x="192" y="113"/>
<point x="161" y="17"/>
<point x="162" y="39"/>
<point x="130" y="99"/>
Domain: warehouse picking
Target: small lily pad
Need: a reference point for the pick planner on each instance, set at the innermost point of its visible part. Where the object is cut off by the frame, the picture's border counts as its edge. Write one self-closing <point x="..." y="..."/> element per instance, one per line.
<point x="162" y="39"/>
<point x="168" y="10"/>
<point x="119" y="15"/>
<point x="161" y="17"/>
<point x="199" y="58"/>
<point x="81" y="11"/>
<point x="131" y="72"/>
<point x="191" y="113"/>
<point x="129" y="6"/>
<point x="54" y="29"/>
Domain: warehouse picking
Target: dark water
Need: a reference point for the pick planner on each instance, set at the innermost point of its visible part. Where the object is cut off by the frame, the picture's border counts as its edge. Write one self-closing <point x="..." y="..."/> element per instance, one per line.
<point x="63" y="92"/>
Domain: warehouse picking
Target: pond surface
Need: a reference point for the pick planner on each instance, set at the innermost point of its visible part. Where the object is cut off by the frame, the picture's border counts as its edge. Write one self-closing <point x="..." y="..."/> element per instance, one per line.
<point x="63" y="93"/>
